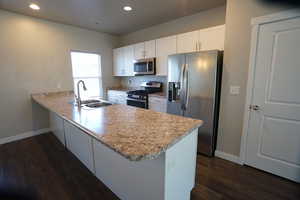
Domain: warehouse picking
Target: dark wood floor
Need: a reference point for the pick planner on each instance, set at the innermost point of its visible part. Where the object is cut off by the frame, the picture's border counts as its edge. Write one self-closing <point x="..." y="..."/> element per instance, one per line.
<point x="41" y="168"/>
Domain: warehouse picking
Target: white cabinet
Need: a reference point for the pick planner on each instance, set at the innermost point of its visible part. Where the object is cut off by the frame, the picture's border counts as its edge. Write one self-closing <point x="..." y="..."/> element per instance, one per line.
<point x="57" y="127"/>
<point x="212" y="38"/>
<point x="144" y="50"/>
<point x="139" y="51"/>
<point x="200" y="40"/>
<point x="80" y="144"/>
<point x="188" y="42"/>
<point x="118" y="97"/>
<point x="118" y="55"/>
<point x="128" y="60"/>
<point x="164" y="47"/>
<point x="158" y="104"/>
<point x="150" y="49"/>
<point x="123" y="61"/>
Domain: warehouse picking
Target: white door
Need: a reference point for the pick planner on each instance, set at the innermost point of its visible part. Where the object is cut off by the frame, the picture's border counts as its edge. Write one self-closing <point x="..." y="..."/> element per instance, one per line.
<point x="212" y="38"/>
<point x="139" y="51"/>
<point x="164" y="47"/>
<point x="188" y="42"/>
<point x="273" y="137"/>
<point x="150" y="49"/>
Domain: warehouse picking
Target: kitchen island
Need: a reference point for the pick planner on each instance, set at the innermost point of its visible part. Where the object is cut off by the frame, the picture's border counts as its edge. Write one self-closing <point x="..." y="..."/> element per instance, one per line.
<point x="137" y="153"/>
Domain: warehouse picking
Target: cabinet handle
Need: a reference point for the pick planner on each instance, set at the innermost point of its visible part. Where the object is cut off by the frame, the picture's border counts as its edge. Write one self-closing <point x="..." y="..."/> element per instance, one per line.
<point x="199" y="44"/>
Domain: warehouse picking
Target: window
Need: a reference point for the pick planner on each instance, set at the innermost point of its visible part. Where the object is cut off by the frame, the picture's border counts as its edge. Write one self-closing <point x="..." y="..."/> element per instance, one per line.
<point x="87" y="67"/>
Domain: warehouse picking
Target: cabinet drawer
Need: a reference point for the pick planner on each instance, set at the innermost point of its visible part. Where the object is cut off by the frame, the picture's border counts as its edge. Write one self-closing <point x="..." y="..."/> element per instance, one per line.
<point x="158" y="104"/>
<point x="118" y="97"/>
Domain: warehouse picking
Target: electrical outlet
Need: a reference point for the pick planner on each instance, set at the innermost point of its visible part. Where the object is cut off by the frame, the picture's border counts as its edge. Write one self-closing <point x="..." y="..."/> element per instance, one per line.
<point x="235" y="90"/>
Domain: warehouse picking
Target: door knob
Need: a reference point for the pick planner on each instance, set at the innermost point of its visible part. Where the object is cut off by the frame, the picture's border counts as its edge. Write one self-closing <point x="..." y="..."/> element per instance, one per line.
<point x="254" y="107"/>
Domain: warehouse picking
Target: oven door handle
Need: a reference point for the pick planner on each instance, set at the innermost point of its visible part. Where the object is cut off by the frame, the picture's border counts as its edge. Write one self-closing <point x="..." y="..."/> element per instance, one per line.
<point x="138" y="100"/>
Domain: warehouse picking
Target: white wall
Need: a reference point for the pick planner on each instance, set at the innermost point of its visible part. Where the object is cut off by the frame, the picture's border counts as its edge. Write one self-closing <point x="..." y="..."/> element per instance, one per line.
<point x="35" y="57"/>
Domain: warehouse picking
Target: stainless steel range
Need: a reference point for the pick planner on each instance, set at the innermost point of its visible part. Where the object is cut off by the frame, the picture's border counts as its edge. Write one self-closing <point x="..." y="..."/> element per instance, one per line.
<point x="140" y="98"/>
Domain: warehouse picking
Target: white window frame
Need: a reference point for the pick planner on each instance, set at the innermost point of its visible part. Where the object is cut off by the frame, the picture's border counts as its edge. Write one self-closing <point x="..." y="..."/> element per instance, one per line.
<point x="99" y="77"/>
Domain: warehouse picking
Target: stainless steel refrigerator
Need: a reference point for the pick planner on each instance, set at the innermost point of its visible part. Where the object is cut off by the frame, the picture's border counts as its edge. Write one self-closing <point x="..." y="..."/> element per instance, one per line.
<point x="194" y="87"/>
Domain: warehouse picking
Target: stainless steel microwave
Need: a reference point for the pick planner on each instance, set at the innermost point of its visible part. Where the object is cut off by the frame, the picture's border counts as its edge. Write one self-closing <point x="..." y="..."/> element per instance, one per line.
<point x="145" y="67"/>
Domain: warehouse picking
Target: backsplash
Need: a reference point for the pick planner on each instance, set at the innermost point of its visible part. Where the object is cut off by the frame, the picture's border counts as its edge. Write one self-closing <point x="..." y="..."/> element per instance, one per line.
<point x="137" y="80"/>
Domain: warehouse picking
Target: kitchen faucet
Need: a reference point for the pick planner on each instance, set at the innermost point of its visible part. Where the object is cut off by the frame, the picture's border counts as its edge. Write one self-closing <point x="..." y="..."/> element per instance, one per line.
<point x="78" y="98"/>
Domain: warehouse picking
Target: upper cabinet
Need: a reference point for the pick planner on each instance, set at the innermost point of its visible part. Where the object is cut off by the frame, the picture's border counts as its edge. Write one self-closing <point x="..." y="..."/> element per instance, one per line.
<point x="188" y="42"/>
<point x="139" y="51"/>
<point x="128" y="60"/>
<point x="164" y="47"/>
<point x="200" y="40"/>
<point x="144" y="50"/>
<point x="212" y="38"/>
<point x="123" y="61"/>
<point x="150" y="51"/>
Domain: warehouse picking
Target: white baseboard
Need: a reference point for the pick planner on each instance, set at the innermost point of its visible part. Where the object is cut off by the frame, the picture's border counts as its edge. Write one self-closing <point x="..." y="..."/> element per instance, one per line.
<point x="229" y="157"/>
<point x="24" y="135"/>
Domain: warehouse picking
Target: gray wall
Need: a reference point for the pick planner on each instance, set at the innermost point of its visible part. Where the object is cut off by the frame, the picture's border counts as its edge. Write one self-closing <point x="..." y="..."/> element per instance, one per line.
<point x="212" y="17"/>
<point x="35" y="57"/>
<point x="236" y="63"/>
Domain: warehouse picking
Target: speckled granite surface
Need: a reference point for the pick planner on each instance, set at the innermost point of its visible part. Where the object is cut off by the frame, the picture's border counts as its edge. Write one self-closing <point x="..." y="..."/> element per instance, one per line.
<point x="135" y="133"/>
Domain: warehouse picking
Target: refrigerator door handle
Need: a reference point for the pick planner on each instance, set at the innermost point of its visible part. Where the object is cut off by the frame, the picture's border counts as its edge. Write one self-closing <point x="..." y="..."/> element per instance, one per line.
<point x="187" y="86"/>
<point x="182" y="88"/>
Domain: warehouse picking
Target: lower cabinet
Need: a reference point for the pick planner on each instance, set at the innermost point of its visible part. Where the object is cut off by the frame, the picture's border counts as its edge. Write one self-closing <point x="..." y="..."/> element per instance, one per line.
<point x="57" y="127"/>
<point x="80" y="144"/>
<point x="118" y="97"/>
<point x="158" y="104"/>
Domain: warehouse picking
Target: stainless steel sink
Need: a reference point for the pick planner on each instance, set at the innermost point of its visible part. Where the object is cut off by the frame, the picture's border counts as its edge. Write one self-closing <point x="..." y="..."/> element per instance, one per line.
<point x="97" y="104"/>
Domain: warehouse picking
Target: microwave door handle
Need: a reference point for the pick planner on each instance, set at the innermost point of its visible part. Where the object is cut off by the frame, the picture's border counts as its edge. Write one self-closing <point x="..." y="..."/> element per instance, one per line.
<point x="147" y="66"/>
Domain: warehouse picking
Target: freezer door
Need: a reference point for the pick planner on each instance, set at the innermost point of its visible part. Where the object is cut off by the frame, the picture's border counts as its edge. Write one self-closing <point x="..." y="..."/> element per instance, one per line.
<point x="202" y="82"/>
<point x="176" y="65"/>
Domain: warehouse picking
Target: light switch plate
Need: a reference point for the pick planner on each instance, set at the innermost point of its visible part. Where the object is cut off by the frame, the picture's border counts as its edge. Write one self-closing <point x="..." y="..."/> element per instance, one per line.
<point x="235" y="90"/>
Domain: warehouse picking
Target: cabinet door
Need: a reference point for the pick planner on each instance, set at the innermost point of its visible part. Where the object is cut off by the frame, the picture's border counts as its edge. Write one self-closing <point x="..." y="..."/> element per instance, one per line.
<point x="158" y="104"/>
<point x="212" y="38"/>
<point x="150" y="49"/>
<point x="164" y="47"/>
<point x="80" y="144"/>
<point x="118" y="55"/>
<point x="118" y="97"/>
<point x="188" y="42"/>
<point x="128" y="60"/>
<point x="139" y="51"/>
<point x="57" y="127"/>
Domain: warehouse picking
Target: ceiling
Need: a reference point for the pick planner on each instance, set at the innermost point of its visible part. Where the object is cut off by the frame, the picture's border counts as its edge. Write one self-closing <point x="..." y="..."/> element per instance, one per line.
<point x="108" y="15"/>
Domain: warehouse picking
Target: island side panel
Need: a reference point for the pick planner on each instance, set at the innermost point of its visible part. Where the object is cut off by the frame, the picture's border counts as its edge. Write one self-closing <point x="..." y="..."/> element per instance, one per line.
<point x="181" y="168"/>
<point x="130" y="180"/>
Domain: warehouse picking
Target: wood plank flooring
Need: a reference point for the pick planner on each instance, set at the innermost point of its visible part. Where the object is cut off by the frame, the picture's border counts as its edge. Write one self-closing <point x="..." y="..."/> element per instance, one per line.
<point x="41" y="168"/>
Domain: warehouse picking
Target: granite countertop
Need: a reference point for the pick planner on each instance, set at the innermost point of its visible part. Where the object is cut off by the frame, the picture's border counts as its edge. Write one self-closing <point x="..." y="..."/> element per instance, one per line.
<point x="135" y="133"/>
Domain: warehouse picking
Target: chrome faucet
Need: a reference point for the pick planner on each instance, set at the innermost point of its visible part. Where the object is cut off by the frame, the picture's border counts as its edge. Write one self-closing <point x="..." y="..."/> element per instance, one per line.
<point x="78" y="98"/>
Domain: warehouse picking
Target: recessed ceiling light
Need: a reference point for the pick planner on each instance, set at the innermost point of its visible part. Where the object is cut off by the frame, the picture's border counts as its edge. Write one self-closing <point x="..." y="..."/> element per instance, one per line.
<point x="127" y="8"/>
<point x="34" y="6"/>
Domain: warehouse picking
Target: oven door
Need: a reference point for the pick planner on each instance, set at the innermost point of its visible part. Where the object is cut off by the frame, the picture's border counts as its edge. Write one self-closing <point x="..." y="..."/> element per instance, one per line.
<point x="137" y="103"/>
